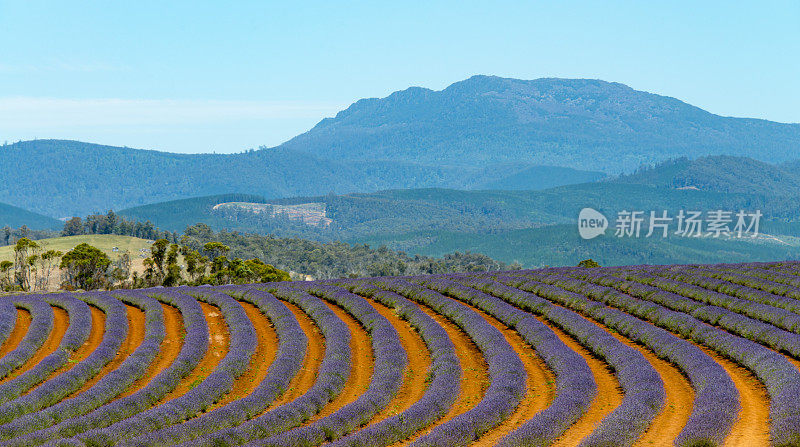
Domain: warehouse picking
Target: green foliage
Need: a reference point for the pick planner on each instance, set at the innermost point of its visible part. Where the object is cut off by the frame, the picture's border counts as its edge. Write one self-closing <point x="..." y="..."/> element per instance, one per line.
<point x="588" y="263"/>
<point x="85" y="267"/>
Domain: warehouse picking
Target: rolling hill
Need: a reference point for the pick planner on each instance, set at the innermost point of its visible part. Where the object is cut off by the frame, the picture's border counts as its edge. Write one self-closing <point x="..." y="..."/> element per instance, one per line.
<point x="15" y="217"/>
<point x="481" y="133"/>
<point x="721" y="173"/>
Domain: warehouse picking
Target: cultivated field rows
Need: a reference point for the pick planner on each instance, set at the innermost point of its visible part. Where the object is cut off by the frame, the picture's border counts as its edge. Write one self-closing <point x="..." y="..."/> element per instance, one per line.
<point x="690" y="355"/>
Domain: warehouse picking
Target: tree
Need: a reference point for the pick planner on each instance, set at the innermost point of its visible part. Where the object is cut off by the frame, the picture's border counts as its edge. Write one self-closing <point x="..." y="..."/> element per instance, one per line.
<point x="5" y="269"/>
<point x="588" y="263"/>
<point x="7" y="235"/>
<point x="73" y="227"/>
<point x="85" y="267"/>
<point x="215" y="249"/>
<point x="25" y="252"/>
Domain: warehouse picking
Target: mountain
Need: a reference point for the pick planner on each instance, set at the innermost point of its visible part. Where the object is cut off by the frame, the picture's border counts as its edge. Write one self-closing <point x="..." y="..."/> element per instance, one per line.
<point x="362" y="215"/>
<point x="482" y="133"/>
<point x="16" y="217"/>
<point x="721" y="173"/>
<point x="535" y="228"/>
<point x="581" y="123"/>
<point x="70" y="178"/>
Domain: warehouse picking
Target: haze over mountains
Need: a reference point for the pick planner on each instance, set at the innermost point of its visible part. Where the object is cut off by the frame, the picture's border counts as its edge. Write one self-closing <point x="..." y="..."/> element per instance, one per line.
<point x="482" y="133"/>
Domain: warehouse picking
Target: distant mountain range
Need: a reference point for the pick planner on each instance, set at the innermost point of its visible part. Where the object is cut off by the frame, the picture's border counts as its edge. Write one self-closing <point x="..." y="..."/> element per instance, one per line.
<point x="482" y="133"/>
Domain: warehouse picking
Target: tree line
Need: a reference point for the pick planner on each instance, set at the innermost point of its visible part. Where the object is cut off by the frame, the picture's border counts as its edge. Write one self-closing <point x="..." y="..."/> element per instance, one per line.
<point x="87" y="268"/>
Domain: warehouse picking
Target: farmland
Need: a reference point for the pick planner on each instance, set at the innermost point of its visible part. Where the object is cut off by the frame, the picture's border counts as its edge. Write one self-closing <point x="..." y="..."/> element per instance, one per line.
<point x="685" y="355"/>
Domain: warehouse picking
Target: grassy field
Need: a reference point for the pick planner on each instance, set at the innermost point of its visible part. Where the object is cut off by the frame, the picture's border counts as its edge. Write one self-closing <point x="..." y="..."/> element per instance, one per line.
<point x="105" y="242"/>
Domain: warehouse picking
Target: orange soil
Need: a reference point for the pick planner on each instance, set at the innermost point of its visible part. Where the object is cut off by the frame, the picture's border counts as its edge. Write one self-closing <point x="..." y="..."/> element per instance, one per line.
<point x="60" y="323"/>
<point x="540" y="383"/>
<point x="608" y="397"/>
<point x="315" y="351"/>
<point x="474" y="375"/>
<point x="265" y="353"/>
<point x="18" y="333"/>
<point x="752" y="426"/>
<point x="361" y="364"/>
<point x="135" y="336"/>
<point x="170" y="348"/>
<point x="419" y="361"/>
<point x="678" y="399"/>
<point x="91" y="343"/>
<point x="218" y="340"/>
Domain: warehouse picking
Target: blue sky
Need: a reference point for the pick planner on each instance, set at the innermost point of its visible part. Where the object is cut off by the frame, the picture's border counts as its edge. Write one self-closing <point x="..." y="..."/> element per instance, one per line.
<point x="208" y="76"/>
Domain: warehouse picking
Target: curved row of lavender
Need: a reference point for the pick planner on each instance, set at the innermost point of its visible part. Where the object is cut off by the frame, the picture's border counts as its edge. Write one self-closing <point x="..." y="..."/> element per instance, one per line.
<point x="444" y="374"/>
<point x="507" y="374"/>
<point x="292" y="345"/>
<point x="389" y="364"/>
<point x="716" y="398"/>
<point x="75" y="335"/>
<point x="38" y="331"/>
<point x="642" y="387"/>
<point x="331" y="377"/>
<point x="780" y="377"/>
<point x="575" y="384"/>
<point x="214" y="387"/>
<point x="194" y="347"/>
<point x="748" y="313"/>
<point x="107" y="387"/>
<point x="8" y="319"/>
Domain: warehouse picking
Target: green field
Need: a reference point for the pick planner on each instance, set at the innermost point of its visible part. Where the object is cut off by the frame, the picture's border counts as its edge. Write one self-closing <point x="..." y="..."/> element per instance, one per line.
<point x="105" y="242"/>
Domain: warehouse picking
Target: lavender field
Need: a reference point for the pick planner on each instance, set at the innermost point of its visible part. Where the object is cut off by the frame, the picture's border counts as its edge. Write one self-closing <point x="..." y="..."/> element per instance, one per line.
<point x="694" y="355"/>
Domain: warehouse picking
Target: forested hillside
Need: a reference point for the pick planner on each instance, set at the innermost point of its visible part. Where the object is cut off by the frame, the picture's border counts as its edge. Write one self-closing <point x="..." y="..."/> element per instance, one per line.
<point x="482" y="133"/>
<point x="580" y="123"/>
<point x="12" y="216"/>
<point x="721" y="173"/>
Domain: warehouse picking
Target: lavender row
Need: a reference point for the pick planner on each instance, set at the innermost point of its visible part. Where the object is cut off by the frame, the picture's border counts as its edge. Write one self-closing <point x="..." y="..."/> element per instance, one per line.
<point x="575" y="384"/>
<point x="780" y="377"/>
<point x="217" y="384"/>
<point x="735" y="323"/>
<point x="8" y="318"/>
<point x="390" y="362"/>
<point x="716" y="401"/>
<point x="195" y="345"/>
<point x="642" y="386"/>
<point x="750" y="279"/>
<point x="444" y="374"/>
<point x="729" y="288"/>
<point x="292" y="345"/>
<point x="331" y="377"/>
<point x="75" y="335"/>
<point x="761" y="271"/>
<point x="776" y="316"/>
<point x="109" y="386"/>
<point x="506" y="372"/>
<point x="39" y="329"/>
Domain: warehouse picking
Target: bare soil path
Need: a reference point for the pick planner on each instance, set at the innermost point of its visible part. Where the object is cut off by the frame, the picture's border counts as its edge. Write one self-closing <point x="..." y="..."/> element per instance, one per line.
<point x="95" y="337"/>
<point x="170" y="348"/>
<point x="609" y="394"/>
<point x="60" y="324"/>
<point x="361" y="365"/>
<point x="18" y="333"/>
<point x="135" y="337"/>
<point x="419" y="361"/>
<point x="218" y="340"/>
<point x="474" y="375"/>
<point x="315" y="352"/>
<point x="262" y="358"/>
<point x="751" y="429"/>
<point x="540" y="383"/>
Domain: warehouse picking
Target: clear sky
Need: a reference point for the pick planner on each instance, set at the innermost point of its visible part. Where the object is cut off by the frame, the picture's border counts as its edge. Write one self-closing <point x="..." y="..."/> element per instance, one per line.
<point x="202" y="76"/>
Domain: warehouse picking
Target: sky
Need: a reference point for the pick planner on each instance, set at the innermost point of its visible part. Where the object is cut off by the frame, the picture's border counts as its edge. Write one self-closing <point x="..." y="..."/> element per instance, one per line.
<point x="211" y="76"/>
